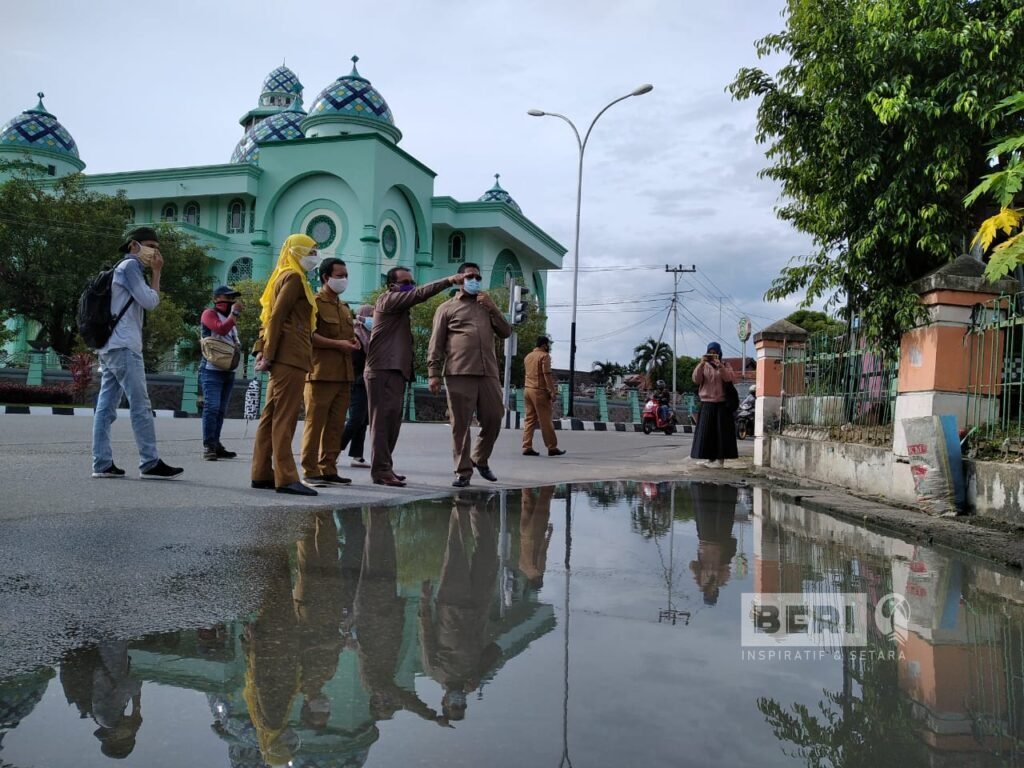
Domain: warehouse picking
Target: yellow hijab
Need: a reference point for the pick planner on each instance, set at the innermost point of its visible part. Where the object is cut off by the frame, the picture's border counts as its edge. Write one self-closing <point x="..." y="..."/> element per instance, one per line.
<point x="288" y="261"/>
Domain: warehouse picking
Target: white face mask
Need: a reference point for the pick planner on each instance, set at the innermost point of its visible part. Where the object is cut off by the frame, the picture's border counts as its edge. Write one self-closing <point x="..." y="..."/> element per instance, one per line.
<point x="309" y="263"/>
<point x="338" y="284"/>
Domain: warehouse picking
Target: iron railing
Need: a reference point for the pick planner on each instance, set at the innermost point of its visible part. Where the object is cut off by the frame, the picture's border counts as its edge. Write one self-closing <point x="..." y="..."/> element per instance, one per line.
<point x="837" y="379"/>
<point x="995" y="390"/>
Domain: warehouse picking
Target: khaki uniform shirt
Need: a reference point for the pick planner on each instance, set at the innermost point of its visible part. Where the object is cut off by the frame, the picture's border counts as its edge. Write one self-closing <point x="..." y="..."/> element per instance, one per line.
<point x="333" y="321"/>
<point x="391" y="342"/>
<point x="538" y="372"/>
<point x="286" y="336"/>
<point x="462" y="343"/>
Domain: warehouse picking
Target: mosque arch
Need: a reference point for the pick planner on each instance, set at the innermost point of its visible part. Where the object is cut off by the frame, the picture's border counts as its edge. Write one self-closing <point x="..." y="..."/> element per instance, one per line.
<point x="506" y="264"/>
<point x="355" y="214"/>
<point x="421" y="239"/>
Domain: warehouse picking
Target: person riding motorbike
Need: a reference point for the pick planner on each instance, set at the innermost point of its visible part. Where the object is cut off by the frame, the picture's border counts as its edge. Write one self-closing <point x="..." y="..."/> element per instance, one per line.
<point x="750" y="400"/>
<point x="664" y="398"/>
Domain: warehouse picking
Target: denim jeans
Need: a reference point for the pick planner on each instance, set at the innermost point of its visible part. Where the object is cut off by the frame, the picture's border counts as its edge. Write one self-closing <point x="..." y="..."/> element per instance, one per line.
<point x="217" y="387"/>
<point x="123" y="371"/>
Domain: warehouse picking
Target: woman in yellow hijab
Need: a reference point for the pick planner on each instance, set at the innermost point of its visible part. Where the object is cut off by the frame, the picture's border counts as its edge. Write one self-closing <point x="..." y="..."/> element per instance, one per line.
<point x="288" y="316"/>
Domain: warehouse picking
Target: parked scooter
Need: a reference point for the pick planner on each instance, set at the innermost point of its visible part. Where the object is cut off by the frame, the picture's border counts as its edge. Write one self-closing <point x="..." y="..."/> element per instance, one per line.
<point x="654" y="418"/>
<point x="745" y="414"/>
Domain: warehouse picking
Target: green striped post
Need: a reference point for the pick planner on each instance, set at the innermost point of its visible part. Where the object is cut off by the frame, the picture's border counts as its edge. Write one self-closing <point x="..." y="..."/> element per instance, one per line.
<point x="190" y="389"/>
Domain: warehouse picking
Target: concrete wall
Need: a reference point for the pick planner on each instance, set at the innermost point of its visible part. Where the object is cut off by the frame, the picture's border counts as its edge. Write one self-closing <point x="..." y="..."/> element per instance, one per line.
<point x="995" y="489"/>
<point x="862" y="468"/>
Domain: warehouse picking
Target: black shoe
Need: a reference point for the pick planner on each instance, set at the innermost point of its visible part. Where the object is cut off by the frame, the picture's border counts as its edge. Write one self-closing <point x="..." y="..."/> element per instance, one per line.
<point x="556" y="452"/>
<point x="111" y="471"/>
<point x="296" y="489"/>
<point x="263" y="485"/>
<point x="460" y="482"/>
<point x="530" y="452"/>
<point x="161" y="471"/>
<point x="315" y="481"/>
<point x="485" y="473"/>
<point x="209" y="454"/>
<point x="336" y="479"/>
<point x="224" y="453"/>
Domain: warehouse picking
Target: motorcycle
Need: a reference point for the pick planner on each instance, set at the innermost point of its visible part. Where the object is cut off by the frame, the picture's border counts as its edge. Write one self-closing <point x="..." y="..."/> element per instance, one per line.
<point x="652" y="419"/>
<point x="745" y="419"/>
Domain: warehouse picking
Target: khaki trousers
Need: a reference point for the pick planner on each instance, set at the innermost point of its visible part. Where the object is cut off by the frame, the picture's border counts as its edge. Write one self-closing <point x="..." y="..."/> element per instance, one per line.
<point x="272" y="457"/>
<point x="467" y="394"/>
<point x="385" y="391"/>
<point x="326" y="406"/>
<point x="538" y="413"/>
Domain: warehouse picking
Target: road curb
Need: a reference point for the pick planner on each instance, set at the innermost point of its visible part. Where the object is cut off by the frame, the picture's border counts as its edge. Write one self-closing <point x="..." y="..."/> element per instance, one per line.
<point x="67" y="410"/>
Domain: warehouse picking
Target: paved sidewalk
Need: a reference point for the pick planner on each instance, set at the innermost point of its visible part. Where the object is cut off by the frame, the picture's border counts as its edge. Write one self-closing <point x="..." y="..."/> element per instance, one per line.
<point x="45" y="466"/>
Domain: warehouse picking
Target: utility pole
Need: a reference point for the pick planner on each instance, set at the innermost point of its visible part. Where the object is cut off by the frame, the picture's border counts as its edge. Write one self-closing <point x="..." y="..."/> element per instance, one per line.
<point x="676" y="271"/>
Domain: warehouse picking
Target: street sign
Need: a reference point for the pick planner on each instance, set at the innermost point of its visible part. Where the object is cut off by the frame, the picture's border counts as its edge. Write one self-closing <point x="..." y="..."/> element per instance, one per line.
<point x="743" y="329"/>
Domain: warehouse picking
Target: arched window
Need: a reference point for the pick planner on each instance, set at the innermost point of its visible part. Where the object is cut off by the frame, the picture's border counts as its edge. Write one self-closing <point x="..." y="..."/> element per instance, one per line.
<point x="169" y="212"/>
<point x="192" y="213"/>
<point x="241" y="269"/>
<point x="456" y="248"/>
<point x="131" y="213"/>
<point x="505" y="266"/>
<point x="236" y="216"/>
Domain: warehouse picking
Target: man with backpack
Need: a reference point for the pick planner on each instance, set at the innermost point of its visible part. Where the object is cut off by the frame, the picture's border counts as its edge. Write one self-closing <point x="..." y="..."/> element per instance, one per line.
<point x="121" y="359"/>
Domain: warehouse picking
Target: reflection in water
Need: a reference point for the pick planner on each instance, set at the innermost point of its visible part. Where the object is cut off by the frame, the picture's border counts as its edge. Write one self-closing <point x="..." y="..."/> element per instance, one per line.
<point x="404" y="614"/>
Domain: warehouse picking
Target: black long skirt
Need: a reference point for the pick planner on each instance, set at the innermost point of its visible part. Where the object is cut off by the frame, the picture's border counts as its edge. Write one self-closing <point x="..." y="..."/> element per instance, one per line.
<point x="715" y="437"/>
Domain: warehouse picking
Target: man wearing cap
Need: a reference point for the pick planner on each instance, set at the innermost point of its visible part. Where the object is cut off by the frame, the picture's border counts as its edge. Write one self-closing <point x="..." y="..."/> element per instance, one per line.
<point x="121" y="360"/>
<point x="220" y="323"/>
<point x="540" y="393"/>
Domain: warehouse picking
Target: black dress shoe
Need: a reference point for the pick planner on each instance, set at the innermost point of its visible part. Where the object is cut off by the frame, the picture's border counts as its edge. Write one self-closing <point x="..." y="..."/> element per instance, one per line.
<point x="391" y="481"/>
<point x="485" y="473"/>
<point x="296" y="489"/>
<point x="398" y="477"/>
<point x="460" y="482"/>
<point x="530" y="452"/>
<point x="263" y="485"/>
<point x="556" y="452"/>
<point x="224" y="453"/>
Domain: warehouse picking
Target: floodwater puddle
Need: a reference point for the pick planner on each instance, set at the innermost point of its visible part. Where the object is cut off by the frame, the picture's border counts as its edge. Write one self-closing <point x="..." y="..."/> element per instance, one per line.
<point x="591" y="625"/>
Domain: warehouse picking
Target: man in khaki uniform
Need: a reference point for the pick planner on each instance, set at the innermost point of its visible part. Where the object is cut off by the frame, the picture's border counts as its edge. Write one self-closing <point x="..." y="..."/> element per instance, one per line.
<point x="389" y="364"/>
<point x="329" y="383"/>
<point x="541" y="391"/>
<point x="462" y="347"/>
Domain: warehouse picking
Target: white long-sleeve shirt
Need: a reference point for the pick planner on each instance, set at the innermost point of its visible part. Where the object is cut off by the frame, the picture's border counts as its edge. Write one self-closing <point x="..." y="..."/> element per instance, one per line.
<point x="129" y="282"/>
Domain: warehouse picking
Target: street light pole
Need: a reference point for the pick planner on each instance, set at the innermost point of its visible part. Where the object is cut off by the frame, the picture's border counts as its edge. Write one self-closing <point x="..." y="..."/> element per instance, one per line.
<point x="582" y="145"/>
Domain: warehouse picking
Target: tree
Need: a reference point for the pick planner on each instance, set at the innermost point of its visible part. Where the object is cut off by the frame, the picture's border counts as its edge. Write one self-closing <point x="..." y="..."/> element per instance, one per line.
<point x="1003" y="185"/>
<point x="876" y="129"/>
<point x="248" y="324"/>
<point x="815" y="322"/>
<point x="165" y="327"/>
<point x="652" y="359"/>
<point x="684" y="373"/>
<point x="606" y="370"/>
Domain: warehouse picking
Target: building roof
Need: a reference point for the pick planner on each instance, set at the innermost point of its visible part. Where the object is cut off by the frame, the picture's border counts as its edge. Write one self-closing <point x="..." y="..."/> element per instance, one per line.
<point x="37" y="130"/>
<point x="281" y="126"/>
<point x="352" y="97"/>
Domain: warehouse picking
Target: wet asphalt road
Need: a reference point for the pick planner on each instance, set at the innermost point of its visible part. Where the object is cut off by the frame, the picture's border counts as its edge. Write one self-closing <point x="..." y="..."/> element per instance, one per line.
<point x="84" y="559"/>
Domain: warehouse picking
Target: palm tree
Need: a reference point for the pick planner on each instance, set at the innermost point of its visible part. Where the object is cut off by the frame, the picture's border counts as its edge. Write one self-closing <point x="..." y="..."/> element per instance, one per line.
<point x="652" y="358"/>
<point x="603" y="371"/>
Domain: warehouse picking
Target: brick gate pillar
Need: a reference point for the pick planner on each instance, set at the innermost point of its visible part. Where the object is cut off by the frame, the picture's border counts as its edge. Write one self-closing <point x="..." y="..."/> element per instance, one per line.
<point x="769" y="346"/>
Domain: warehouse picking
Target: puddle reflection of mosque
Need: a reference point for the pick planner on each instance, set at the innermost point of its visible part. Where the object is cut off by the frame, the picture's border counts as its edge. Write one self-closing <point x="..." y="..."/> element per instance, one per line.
<point x="946" y="684"/>
<point x="363" y="604"/>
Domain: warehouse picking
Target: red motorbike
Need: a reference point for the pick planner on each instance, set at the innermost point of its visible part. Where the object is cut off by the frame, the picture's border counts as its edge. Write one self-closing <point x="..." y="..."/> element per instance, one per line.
<point x="652" y="418"/>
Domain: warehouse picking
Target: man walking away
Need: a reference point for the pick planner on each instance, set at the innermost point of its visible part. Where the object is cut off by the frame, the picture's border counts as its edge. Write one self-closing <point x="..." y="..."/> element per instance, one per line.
<point x="220" y="323"/>
<point x="541" y="391"/>
<point x="389" y="364"/>
<point x="462" y="348"/>
<point x="121" y="360"/>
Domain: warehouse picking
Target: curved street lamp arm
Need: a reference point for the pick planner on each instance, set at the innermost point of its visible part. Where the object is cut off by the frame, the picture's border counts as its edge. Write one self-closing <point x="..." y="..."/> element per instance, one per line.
<point x="572" y="125"/>
<point x="586" y="138"/>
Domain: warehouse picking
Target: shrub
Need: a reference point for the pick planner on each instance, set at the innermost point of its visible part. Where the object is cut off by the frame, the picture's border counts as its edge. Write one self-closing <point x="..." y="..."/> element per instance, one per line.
<point x="81" y="367"/>
<point x="15" y="393"/>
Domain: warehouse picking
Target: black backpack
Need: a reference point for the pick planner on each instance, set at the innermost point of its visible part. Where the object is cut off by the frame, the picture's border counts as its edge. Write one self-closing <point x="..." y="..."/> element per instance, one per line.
<point x="95" y="321"/>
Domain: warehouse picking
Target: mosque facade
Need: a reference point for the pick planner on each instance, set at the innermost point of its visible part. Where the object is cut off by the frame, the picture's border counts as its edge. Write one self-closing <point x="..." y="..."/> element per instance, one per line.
<point x="335" y="171"/>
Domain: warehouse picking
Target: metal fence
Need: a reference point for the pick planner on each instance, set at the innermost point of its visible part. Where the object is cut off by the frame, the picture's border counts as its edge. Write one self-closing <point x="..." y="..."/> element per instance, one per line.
<point x="836" y="379"/>
<point x="995" y="400"/>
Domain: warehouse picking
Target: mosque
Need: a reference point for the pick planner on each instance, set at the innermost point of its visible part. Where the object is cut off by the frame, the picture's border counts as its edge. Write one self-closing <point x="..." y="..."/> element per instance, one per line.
<point x="335" y="172"/>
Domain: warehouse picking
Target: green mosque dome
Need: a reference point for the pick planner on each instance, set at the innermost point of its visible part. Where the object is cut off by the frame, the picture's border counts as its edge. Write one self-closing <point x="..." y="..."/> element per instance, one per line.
<point x="497" y="194"/>
<point x="351" y="100"/>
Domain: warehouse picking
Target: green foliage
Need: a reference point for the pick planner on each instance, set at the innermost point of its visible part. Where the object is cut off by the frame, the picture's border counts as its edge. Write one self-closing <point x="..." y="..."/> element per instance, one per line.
<point x="876" y="127"/>
<point x="816" y="322"/>
<point x="165" y="327"/>
<point x="684" y="373"/>
<point x="605" y="371"/>
<point x="1003" y="186"/>
<point x="653" y="359"/>
<point x="248" y="324"/>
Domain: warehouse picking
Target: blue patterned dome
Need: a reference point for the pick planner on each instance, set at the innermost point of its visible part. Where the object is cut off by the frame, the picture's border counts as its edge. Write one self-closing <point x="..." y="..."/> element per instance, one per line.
<point x="353" y="97"/>
<point x="498" y="195"/>
<point x="282" y="80"/>
<point x="282" y="126"/>
<point x="36" y="129"/>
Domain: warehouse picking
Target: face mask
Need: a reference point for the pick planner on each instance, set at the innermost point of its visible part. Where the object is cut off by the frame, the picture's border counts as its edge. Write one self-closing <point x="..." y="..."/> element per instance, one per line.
<point x="472" y="287"/>
<point x="338" y="284"/>
<point x="224" y="307"/>
<point x="368" y="323"/>
<point x="309" y="263"/>
<point x="146" y="255"/>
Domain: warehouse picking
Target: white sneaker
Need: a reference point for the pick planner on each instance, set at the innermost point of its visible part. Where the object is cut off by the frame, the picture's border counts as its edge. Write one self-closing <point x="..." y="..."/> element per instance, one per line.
<point x="716" y="464"/>
<point x="361" y="462"/>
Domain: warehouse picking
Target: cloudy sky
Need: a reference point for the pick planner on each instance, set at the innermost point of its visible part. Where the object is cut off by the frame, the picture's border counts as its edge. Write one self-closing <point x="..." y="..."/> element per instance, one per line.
<point x="669" y="178"/>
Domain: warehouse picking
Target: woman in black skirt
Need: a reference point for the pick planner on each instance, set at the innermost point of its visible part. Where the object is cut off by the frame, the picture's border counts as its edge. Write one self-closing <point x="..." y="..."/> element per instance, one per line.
<point x="715" y="438"/>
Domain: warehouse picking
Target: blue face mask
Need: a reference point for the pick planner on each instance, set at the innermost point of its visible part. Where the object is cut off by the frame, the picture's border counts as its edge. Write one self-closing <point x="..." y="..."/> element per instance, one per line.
<point x="368" y="323"/>
<point x="472" y="287"/>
